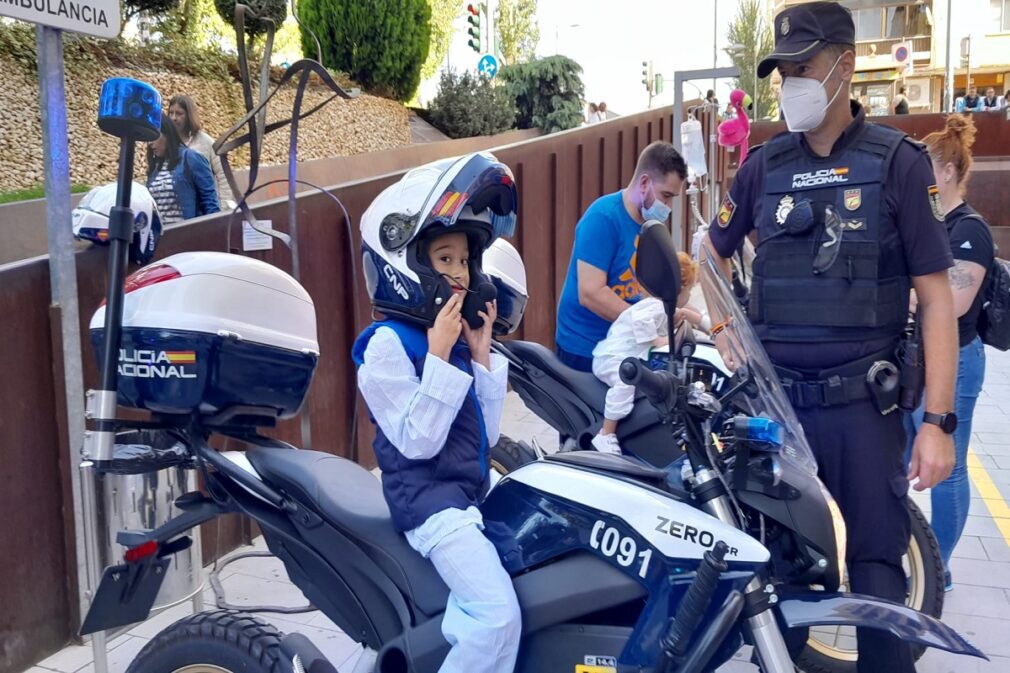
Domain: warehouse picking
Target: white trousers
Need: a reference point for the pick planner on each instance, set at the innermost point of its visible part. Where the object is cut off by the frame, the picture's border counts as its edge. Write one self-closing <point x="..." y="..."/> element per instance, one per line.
<point x="621" y="396"/>
<point x="482" y="620"/>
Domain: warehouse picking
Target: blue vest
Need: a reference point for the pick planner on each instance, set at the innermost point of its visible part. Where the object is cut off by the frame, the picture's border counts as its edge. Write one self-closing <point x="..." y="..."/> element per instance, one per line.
<point x="864" y="294"/>
<point x="458" y="475"/>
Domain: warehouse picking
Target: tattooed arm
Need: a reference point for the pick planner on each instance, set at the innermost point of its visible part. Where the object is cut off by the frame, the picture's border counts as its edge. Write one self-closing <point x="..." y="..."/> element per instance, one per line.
<point x="965" y="281"/>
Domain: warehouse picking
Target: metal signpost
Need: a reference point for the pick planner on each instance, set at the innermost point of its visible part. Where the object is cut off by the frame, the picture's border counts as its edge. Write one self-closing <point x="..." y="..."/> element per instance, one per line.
<point x="678" y="113"/>
<point x="100" y="18"/>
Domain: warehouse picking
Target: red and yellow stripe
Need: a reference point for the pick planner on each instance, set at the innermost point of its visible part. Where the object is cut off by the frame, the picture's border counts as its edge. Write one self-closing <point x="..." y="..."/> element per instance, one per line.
<point x="449" y="204"/>
<point x="181" y="357"/>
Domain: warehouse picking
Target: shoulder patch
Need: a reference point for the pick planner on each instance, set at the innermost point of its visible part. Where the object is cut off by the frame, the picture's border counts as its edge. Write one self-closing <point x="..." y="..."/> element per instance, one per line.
<point x="934" y="202"/>
<point x="726" y="211"/>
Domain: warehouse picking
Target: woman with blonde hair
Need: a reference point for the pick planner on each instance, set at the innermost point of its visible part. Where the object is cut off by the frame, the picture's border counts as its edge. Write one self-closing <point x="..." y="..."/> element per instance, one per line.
<point x="183" y="113"/>
<point x="972" y="247"/>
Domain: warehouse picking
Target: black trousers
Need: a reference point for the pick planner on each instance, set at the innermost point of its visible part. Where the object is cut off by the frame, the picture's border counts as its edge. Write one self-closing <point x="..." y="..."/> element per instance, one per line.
<point x="860" y="456"/>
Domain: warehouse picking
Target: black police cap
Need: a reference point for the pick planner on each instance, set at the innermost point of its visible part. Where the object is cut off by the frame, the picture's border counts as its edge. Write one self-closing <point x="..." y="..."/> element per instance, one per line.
<point x="803" y="30"/>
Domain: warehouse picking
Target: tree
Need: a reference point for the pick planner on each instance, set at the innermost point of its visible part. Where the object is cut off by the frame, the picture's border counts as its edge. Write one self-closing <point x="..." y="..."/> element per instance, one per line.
<point x="443" y="15"/>
<point x="276" y="10"/>
<point x="381" y="44"/>
<point x="150" y="13"/>
<point x="132" y="8"/>
<point x="752" y="30"/>
<point x="470" y="105"/>
<point x="518" y="30"/>
<point x="548" y="93"/>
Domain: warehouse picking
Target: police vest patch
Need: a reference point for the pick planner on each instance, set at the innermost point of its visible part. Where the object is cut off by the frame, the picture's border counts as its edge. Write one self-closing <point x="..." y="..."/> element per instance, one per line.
<point x="782" y="211"/>
<point x="934" y="202"/>
<point x="853" y="199"/>
<point x="726" y="211"/>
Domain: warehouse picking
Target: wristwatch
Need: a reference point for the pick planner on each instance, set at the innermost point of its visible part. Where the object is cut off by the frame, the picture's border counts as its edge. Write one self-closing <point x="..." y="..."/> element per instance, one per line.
<point x="946" y="422"/>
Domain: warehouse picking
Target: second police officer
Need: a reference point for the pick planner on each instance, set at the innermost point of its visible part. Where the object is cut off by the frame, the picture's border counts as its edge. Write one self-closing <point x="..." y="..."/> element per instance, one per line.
<point x="848" y="220"/>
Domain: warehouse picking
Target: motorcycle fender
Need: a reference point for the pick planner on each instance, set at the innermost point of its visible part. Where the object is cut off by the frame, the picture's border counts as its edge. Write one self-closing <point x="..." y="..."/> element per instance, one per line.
<point x="817" y="608"/>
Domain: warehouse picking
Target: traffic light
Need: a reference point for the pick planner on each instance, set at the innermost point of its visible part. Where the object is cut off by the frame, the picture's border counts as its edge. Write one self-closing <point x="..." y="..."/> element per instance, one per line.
<point x="473" y="18"/>
<point x="965" y="51"/>
<point x="657" y="87"/>
<point x="647" y="77"/>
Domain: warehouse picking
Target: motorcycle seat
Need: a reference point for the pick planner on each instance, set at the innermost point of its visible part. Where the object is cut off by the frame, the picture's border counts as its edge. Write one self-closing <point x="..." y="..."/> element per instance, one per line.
<point x="350" y="497"/>
<point x="590" y="389"/>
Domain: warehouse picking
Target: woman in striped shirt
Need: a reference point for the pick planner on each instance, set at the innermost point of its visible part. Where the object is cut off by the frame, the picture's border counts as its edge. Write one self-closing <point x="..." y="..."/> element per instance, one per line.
<point x="179" y="179"/>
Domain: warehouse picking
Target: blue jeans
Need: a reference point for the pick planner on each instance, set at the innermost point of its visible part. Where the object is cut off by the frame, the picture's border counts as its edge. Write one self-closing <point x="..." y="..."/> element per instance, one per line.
<point x="951" y="497"/>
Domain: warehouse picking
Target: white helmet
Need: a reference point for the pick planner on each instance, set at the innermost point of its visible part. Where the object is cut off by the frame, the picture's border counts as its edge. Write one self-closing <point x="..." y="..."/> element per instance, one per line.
<point x="91" y="219"/>
<point x="474" y="194"/>
<point x="508" y="273"/>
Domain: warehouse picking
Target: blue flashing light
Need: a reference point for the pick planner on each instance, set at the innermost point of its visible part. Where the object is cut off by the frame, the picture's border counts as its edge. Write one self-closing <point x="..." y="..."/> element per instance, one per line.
<point x="129" y="108"/>
<point x="764" y="430"/>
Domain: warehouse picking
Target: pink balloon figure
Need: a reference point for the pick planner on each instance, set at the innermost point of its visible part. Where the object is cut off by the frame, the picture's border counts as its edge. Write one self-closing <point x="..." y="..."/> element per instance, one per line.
<point x="734" y="132"/>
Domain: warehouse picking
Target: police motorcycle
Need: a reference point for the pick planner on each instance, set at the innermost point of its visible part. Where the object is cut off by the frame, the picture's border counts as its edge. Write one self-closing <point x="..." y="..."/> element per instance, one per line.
<point x="613" y="573"/>
<point x="572" y="402"/>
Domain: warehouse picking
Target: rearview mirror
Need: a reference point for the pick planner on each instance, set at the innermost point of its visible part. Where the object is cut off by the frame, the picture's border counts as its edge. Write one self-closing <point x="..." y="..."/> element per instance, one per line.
<point x="656" y="266"/>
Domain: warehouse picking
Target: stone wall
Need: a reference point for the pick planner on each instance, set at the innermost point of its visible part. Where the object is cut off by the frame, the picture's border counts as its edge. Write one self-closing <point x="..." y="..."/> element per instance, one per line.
<point x="341" y="128"/>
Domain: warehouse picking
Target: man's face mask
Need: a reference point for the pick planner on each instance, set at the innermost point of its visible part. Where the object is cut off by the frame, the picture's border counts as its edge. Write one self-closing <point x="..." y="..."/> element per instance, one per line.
<point x="658" y="210"/>
<point x="805" y="101"/>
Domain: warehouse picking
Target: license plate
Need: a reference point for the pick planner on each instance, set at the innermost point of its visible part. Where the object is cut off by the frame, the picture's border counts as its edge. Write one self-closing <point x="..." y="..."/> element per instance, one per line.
<point x="125" y="595"/>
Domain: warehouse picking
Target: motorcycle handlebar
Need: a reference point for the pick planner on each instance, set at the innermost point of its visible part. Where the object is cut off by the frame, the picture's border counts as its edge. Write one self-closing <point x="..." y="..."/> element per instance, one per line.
<point x="658" y="387"/>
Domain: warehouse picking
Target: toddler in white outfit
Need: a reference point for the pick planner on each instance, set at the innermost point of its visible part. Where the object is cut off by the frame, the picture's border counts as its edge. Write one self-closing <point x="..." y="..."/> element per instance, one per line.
<point x="641" y="326"/>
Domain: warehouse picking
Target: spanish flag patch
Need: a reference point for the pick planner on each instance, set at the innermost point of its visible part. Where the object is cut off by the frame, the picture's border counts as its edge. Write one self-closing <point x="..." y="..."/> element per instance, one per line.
<point x="726" y="211"/>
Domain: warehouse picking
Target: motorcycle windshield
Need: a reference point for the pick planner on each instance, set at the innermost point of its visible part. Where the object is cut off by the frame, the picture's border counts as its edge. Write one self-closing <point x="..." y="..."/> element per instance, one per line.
<point x="740" y="347"/>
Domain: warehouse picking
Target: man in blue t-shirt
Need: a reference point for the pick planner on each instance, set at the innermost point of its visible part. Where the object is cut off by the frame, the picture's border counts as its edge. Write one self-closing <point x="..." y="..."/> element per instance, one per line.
<point x="600" y="283"/>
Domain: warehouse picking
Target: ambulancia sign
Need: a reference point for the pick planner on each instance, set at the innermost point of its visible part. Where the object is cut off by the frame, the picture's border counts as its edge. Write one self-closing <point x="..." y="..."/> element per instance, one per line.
<point x="90" y="17"/>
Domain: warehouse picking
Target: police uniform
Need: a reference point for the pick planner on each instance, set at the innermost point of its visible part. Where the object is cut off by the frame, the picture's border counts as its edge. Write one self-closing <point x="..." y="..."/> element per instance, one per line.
<point x="838" y="240"/>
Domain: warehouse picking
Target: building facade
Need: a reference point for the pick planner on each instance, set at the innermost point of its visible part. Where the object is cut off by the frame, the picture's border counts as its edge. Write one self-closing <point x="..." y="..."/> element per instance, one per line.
<point x="904" y="44"/>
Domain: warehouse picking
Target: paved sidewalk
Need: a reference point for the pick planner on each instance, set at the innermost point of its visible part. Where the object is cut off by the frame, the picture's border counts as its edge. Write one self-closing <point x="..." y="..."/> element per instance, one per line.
<point x="978" y="607"/>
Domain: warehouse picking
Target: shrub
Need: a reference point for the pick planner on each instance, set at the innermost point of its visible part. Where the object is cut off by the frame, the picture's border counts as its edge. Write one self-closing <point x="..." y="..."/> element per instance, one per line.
<point x="277" y="10"/>
<point x="548" y="93"/>
<point x="381" y="44"/>
<point x="468" y="105"/>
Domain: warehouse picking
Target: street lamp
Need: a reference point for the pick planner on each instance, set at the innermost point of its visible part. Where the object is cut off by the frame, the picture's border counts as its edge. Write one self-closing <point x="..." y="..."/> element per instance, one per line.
<point x="741" y="49"/>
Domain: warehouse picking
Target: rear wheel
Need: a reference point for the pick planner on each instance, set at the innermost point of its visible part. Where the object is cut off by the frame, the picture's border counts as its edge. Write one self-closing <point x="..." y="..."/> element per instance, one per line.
<point x="833" y="649"/>
<point x="223" y="641"/>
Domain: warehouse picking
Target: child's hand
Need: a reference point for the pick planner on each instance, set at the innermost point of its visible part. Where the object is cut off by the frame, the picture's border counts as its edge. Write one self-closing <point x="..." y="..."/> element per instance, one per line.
<point x="479" y="340"/>
<point x="445" y="332"/>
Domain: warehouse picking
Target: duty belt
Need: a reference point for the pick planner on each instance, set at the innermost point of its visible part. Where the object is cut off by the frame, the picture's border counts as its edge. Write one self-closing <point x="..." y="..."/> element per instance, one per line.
<point x="833" y="387"/>
<point x="830" y="392"/>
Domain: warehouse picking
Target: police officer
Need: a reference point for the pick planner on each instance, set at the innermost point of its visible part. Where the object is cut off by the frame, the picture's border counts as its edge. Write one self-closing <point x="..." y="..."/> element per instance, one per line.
<point x="847" y="218"/>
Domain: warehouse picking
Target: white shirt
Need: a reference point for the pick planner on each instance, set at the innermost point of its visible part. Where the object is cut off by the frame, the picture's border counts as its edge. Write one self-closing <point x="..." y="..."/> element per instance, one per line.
<point x="416" y="414"/>
<point x="636" y="328"/>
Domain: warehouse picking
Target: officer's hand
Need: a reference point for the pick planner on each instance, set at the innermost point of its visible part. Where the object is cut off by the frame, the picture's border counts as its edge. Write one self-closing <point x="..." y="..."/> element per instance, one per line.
<point x="445" y="332"/>
<point x="728" y="350"/>
<point x="932" y="457"/>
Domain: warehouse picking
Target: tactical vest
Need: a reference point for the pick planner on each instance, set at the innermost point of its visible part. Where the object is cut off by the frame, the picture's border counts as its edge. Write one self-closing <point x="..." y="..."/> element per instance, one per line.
<point x="458" y="475"/>
<point x="864" y="295"/>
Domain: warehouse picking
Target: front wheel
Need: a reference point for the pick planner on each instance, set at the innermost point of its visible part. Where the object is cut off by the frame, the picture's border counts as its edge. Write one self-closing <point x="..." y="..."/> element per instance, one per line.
<point x="509" y="455"/>
<point x="833" y="649"/>
<point x="222" y="641"/>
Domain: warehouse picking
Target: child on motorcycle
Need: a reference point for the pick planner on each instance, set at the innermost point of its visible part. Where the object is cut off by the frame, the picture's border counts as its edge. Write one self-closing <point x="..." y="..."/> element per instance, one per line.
<point x="640" y="327"/>
<point x="435" y="393"/>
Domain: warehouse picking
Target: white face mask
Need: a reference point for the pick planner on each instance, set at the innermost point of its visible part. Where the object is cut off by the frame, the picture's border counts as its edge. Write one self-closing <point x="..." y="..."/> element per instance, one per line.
<point x="805" y="101"/>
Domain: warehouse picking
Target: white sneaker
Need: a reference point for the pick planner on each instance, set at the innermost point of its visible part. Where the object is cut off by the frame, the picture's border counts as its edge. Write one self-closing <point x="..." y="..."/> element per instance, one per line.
<point x="607" y="444"/>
